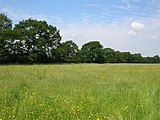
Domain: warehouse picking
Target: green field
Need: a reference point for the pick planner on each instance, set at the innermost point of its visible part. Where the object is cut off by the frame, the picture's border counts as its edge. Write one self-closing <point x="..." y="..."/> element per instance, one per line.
<point x="80" y="92"/>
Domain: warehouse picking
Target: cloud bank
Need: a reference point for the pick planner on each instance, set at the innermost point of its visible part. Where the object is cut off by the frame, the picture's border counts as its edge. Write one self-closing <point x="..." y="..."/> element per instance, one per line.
<point x="136" y="37"/>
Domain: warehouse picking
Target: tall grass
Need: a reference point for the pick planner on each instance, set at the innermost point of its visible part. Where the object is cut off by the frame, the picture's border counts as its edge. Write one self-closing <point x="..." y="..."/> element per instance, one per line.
<point x="80" y="92"/>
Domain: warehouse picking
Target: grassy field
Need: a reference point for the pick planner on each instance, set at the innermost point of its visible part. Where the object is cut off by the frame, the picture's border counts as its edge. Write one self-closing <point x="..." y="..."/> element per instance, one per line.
<point x="80" y="92"/>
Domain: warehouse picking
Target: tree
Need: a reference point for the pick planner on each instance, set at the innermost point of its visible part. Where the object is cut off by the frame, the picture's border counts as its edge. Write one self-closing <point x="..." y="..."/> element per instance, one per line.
<point x="123" y="57"/>
<point x="109" y="55"/>
<point x="156" y="59"/>
<point x="5" y="22"/>
<point x="136" y="58"/>
<point x="67" y="52"/>
<point x="37" y="40"/>
<point x="5" y="36"/>
<point x="126" y="57"/>
<point x="148" y="60"/>
<point x="91" y="52"/>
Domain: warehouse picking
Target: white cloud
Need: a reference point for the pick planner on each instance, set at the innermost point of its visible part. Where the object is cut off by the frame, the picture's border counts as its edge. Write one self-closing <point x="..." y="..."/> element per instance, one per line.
<point x="18" y="15"/>
<point x="119" y="36"/>
<point x="112" y="35"/>
<point x="138" y="26"/>
<point x="132" y="33"/>
<point x="154" y="37"/>
<point x="93" y="5"/>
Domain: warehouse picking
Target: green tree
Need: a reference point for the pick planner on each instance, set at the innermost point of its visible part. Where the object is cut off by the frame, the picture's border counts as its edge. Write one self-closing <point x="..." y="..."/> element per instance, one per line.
<point x="123" y="57"/>
<point x="5" y="22"/>
<point x="148" y="60"/>
<point x="91" y="52"/>
<point x="109" y="55"/>
<point x="156" y="59"/>
<point x="5" y="36"/>
<point x="136" y="58"/>
<point x="67" y="52"/>
<point x="126" y="57"/>
<point x="37" y="40"/>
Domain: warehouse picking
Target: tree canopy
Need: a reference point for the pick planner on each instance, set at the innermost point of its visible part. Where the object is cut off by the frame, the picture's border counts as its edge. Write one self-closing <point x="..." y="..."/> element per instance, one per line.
<point x="67" y="52"/>
<point x="5" y="22"/>
<point x="37" y="40"/>
<point x="5" y="36"/>
<point x="33" y="41"/>
<point x="92" y="52"/>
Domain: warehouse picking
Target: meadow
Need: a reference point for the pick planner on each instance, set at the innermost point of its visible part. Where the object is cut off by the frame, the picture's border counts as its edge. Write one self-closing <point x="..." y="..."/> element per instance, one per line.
<point x="80" y="92"/>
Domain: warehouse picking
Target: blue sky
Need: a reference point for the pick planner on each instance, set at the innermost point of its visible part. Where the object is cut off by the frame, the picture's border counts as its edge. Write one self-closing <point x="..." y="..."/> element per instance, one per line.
<point x="125" y="25"/>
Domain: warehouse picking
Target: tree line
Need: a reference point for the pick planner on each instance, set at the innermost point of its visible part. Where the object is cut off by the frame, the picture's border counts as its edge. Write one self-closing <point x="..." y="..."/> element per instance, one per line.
<point x="32" y="41"/>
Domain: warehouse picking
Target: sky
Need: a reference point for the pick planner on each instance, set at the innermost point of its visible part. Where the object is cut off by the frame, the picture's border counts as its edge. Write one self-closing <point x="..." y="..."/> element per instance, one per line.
<point x="124" y="25"/>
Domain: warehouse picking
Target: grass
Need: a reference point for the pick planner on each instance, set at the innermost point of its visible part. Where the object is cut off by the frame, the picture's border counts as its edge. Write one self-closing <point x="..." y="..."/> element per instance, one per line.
<point x="80" y="92"/>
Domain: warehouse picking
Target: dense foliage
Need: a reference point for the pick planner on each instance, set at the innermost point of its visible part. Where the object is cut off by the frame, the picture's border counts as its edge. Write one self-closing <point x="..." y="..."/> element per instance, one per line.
<point x="32" y="41"/>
